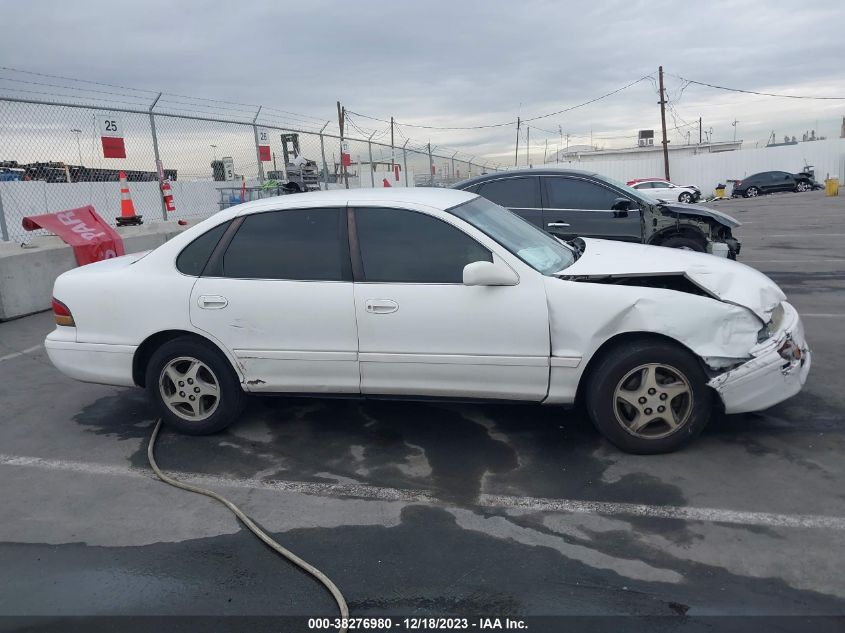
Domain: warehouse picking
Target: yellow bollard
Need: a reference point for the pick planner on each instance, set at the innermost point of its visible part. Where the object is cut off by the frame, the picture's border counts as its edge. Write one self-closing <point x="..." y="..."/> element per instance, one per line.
<point x="831" y="187"/>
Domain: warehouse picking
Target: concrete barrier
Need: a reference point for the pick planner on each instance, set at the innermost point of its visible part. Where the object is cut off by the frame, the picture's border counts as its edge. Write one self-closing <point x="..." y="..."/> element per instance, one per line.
<point x="27" y="273"/>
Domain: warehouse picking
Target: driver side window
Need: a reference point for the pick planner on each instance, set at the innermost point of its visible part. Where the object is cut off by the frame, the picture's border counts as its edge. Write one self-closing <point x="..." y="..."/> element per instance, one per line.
<point x="400" y="246"/>
<point x="575" y="193"/>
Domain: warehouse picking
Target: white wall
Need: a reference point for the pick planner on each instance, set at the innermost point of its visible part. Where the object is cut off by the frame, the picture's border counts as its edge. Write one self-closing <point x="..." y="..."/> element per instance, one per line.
<point x="708" y="170"/>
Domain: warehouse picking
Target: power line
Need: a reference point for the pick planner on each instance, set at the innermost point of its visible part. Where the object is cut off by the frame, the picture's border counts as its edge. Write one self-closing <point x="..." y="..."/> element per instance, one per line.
<point x="512" y="122"/>
<point x="755" y="92"/>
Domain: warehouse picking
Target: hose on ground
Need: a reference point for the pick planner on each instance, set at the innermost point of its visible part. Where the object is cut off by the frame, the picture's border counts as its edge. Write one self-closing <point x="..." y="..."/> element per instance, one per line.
<point x="250" y="524"/>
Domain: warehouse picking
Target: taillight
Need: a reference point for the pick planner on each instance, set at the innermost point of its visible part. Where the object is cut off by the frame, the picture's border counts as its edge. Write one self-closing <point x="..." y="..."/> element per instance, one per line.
<point x="62" y="314"/>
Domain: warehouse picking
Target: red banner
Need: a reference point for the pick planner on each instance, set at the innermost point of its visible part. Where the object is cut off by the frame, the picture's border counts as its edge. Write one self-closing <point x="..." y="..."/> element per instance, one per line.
<point x="113" y="147"/>
<point x="89" y="235"/>
<point x="264" y="153"/>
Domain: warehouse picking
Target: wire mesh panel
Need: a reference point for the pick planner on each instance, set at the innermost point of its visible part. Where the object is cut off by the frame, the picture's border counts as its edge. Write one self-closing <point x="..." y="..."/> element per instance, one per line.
<point x="213" y="162"/>
<point x="52" y="159"/>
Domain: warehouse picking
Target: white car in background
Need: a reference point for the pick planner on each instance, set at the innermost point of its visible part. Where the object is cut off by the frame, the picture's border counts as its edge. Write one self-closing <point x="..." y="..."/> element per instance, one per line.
<point x="427" y="293"/>
<point x="665" y="190"/>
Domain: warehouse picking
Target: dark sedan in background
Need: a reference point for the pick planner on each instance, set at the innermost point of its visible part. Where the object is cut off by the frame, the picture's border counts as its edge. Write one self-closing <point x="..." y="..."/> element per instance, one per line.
<point x="771" y="182"/>
<point x="569" y="203"/>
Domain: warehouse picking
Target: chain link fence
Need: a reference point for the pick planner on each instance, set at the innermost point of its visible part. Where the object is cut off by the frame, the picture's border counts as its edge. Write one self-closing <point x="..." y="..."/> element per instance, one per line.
<point x="53" y="157"/>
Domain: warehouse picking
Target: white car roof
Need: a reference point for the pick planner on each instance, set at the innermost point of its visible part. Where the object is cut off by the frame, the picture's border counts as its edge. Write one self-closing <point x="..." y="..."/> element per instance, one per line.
<point x="436" y="197"/>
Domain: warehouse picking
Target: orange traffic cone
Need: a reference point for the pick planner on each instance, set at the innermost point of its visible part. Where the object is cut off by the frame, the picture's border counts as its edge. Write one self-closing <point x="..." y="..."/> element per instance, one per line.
<point x="127" y="208"/>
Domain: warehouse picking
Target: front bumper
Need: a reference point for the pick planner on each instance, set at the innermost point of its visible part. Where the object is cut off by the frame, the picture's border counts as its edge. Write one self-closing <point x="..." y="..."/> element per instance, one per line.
<point x="768" y="378"/>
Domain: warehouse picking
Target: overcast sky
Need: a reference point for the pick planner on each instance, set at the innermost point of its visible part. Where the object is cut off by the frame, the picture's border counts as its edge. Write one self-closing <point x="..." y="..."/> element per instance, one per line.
<point x="460" y="63"/>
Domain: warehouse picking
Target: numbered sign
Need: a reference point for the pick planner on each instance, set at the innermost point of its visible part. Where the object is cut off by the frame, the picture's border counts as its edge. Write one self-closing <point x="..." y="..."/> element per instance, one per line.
<point x="264" y="144"/>
<point x="228" y="168"/>
<point x="345" y="157"/>
<point x="111" y="136"/>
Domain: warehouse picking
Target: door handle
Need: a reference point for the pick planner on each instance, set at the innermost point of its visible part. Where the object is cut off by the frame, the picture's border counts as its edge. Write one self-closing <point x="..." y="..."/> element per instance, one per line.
<point x="381" y="306"/>
<point x="557" y="224"/>
<point x="212" y="302"/>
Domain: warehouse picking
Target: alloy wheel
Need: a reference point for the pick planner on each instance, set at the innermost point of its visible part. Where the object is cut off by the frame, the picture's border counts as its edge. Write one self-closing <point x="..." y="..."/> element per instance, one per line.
<point x="752" y="192"/>
<point x="652" y="401"/>
<point x="189" y="388"/>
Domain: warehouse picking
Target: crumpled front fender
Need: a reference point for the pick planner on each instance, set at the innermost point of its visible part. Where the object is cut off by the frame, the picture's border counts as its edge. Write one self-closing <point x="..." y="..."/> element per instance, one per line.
<point x="583" y="316"/>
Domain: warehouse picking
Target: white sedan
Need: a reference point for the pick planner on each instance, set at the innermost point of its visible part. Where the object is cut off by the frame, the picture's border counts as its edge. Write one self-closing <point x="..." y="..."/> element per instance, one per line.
<point x="428" y="293"/>
<point x="665" y="190"/>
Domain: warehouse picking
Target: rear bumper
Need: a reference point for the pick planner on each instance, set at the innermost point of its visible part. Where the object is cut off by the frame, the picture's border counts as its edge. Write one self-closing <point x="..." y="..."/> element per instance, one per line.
<point x="91" y="362"/>
<point x="768" y="378"/>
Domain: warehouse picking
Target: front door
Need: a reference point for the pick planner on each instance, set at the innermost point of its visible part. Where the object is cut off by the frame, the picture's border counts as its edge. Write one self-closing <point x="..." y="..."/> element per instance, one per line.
<point x="578" y="207"/>
<point x="422" y="332"/>
<point x="281" y="299"/>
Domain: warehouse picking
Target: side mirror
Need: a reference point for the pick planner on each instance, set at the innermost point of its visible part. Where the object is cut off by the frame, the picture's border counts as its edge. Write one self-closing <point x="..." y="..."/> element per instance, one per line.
<point x="489" y="274"/>
<point x="621" y="204"/>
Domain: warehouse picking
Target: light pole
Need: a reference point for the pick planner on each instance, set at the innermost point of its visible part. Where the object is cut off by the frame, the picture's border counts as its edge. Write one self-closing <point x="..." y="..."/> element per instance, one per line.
<point x="214" y="152"/>
<point x="77" y="132"/>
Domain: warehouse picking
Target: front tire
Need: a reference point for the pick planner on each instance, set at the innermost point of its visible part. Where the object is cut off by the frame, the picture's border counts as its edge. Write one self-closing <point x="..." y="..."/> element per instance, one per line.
<point x="686" y="197"/>
<point x="648" y="397"/>
<point x="194" y="387"/>
<point x="752" y="192"/>
<point x="803" y="186"/>
<point x="686" y="243"/>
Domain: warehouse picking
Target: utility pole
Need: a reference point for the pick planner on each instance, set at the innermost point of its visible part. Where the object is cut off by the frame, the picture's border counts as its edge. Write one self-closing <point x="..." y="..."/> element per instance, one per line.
<point x="663" y="124"/>
<point x="528" y="146"/>
<point x="699" y="130"/>
<point x="559" y="147"/>
<point x="516" y="152"/>
<point x="392" y="151"/>
<point x="734" y="125"/>
<point x="341" y="117"/>
<point x="546" y="151"/>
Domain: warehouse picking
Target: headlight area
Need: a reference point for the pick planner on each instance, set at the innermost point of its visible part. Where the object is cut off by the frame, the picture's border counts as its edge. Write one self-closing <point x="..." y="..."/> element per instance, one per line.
<point x="777" y="369"/>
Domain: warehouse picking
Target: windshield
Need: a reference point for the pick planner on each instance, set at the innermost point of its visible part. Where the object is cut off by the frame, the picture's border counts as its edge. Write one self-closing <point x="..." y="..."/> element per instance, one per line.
<point x="629" y="191"/>
<point x="539" y="250"/>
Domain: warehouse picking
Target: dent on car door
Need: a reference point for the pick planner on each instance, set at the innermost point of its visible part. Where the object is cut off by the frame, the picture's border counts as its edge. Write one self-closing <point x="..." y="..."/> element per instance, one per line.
<point x="422" y="332"/>
<point x="578" y="207"/>
<point x="280" y="298"/>
<point x="520" y="194"/>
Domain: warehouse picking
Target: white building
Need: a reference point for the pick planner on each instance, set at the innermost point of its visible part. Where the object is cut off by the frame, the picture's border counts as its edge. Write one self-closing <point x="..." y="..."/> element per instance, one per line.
<point x="586" y="153"/>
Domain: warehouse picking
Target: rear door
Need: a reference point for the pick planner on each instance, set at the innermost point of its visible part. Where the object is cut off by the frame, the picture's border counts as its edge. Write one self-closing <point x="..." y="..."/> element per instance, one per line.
<point x="579" y="207"/>
<point x="279" y="295"/>
<point x="520" y="194"/>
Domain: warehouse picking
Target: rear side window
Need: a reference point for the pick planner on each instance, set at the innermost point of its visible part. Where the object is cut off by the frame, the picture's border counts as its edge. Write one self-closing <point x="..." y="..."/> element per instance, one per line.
<point x="194" y="256"/>
<point x="513" y="193"/>
<point x="402" y="246"/>
<point x="300" y="244"/>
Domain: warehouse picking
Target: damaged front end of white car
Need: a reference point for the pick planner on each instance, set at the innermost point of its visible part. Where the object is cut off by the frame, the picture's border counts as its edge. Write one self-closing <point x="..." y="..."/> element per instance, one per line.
<point x="733" y="318"/>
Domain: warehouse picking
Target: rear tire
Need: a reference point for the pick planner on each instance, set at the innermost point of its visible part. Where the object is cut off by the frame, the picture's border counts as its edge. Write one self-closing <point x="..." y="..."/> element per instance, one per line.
<point x="194" y="387"/>
<point x="627" y="388"/>
<point x="686" y="243"/>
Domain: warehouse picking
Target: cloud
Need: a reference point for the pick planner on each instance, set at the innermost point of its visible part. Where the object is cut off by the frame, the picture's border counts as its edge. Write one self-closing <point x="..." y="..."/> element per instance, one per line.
<point x="460" y="63"/>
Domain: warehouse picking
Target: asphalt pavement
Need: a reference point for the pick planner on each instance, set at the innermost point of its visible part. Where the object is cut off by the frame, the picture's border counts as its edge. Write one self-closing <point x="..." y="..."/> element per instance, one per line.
<point x="438" y="509"/>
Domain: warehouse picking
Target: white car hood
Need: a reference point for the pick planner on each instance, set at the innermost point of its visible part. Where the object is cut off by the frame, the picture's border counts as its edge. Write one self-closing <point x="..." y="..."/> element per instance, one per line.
<point x="724" y="279"/>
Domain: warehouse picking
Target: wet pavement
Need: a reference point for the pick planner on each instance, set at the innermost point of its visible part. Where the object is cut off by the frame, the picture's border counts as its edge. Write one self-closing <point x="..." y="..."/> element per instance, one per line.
<point x="439" y="509"/>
